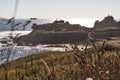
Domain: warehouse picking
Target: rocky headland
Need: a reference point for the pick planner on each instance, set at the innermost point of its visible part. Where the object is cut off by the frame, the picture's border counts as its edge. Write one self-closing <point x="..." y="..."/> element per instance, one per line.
<point x="60" y="32"/>
<point x="107" y="28"/>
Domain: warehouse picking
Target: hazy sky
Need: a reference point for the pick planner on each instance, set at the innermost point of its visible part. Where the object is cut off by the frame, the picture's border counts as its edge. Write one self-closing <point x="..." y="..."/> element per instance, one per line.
<point x="61" y="8"/>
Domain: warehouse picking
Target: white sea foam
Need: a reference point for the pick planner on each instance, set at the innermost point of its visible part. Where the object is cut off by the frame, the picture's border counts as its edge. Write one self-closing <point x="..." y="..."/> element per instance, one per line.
<point x="21" y="51"/>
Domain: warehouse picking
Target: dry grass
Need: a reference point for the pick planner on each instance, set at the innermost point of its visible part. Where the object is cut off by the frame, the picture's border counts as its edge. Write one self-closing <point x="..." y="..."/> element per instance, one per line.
<point x="74" y="65"/>
<point x="98" y="63"/>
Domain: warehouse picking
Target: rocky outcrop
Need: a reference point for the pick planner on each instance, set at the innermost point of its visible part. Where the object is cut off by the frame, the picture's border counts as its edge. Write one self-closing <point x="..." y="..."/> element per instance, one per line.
<point x="51" y="38"/>
<point x="57" y="32"/>
<point x="108" y="27"/>
<point x="107" y="23"/>
<point x="58" y="26"/>
<point x="60" y="32"/>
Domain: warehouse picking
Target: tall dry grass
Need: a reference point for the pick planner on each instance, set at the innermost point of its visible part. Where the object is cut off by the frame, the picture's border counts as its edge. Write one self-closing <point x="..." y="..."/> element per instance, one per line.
<point x="100" y="62"/>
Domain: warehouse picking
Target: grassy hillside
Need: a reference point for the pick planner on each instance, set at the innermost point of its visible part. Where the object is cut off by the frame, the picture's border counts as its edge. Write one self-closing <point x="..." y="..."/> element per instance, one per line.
<point x="97" y="63"/>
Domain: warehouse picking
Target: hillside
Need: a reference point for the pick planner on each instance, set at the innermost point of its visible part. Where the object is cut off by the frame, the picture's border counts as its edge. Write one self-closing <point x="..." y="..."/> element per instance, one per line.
<point x="102" y="63"/>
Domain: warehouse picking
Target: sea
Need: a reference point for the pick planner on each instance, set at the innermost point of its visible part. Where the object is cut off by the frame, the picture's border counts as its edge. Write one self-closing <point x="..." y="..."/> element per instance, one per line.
<point x="13" y="52"/>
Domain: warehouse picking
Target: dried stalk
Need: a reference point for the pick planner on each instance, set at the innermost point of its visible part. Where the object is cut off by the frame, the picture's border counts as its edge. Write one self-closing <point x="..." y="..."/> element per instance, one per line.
<point x="47" y="68"/>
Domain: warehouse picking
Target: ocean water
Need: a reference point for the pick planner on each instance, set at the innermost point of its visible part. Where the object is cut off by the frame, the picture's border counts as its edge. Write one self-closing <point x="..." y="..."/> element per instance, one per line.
<point x="9" y="53"/>
<point x="88" y="22"/>
<point x="14" y="52"/>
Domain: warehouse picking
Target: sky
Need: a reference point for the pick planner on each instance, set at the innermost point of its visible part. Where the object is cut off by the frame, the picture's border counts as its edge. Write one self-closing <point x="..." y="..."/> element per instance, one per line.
<point x="60" y="8"/>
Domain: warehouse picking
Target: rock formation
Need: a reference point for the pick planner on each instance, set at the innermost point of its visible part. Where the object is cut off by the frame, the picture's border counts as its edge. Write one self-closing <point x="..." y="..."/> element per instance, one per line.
<point x="57" y="32"/>
<point x="60" y="32"/>
<point x="108" y="27"/>
<point x="107" y="23"/>
<point x="58" y="26"/>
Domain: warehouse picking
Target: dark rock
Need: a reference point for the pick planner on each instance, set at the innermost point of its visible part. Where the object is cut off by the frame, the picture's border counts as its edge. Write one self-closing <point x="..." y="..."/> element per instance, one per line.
<point x="60" y="32"/>
<point x="107" y="23"/>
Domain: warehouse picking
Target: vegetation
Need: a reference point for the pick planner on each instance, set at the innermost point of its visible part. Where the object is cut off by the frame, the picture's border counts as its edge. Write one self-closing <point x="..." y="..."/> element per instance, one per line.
<point x="99" y="62"/>
<point x="95" y="63"/>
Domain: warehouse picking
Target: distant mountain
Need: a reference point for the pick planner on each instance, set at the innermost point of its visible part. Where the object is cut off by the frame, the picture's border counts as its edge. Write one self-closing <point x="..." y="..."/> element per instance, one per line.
<point x="21" y="23"/>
